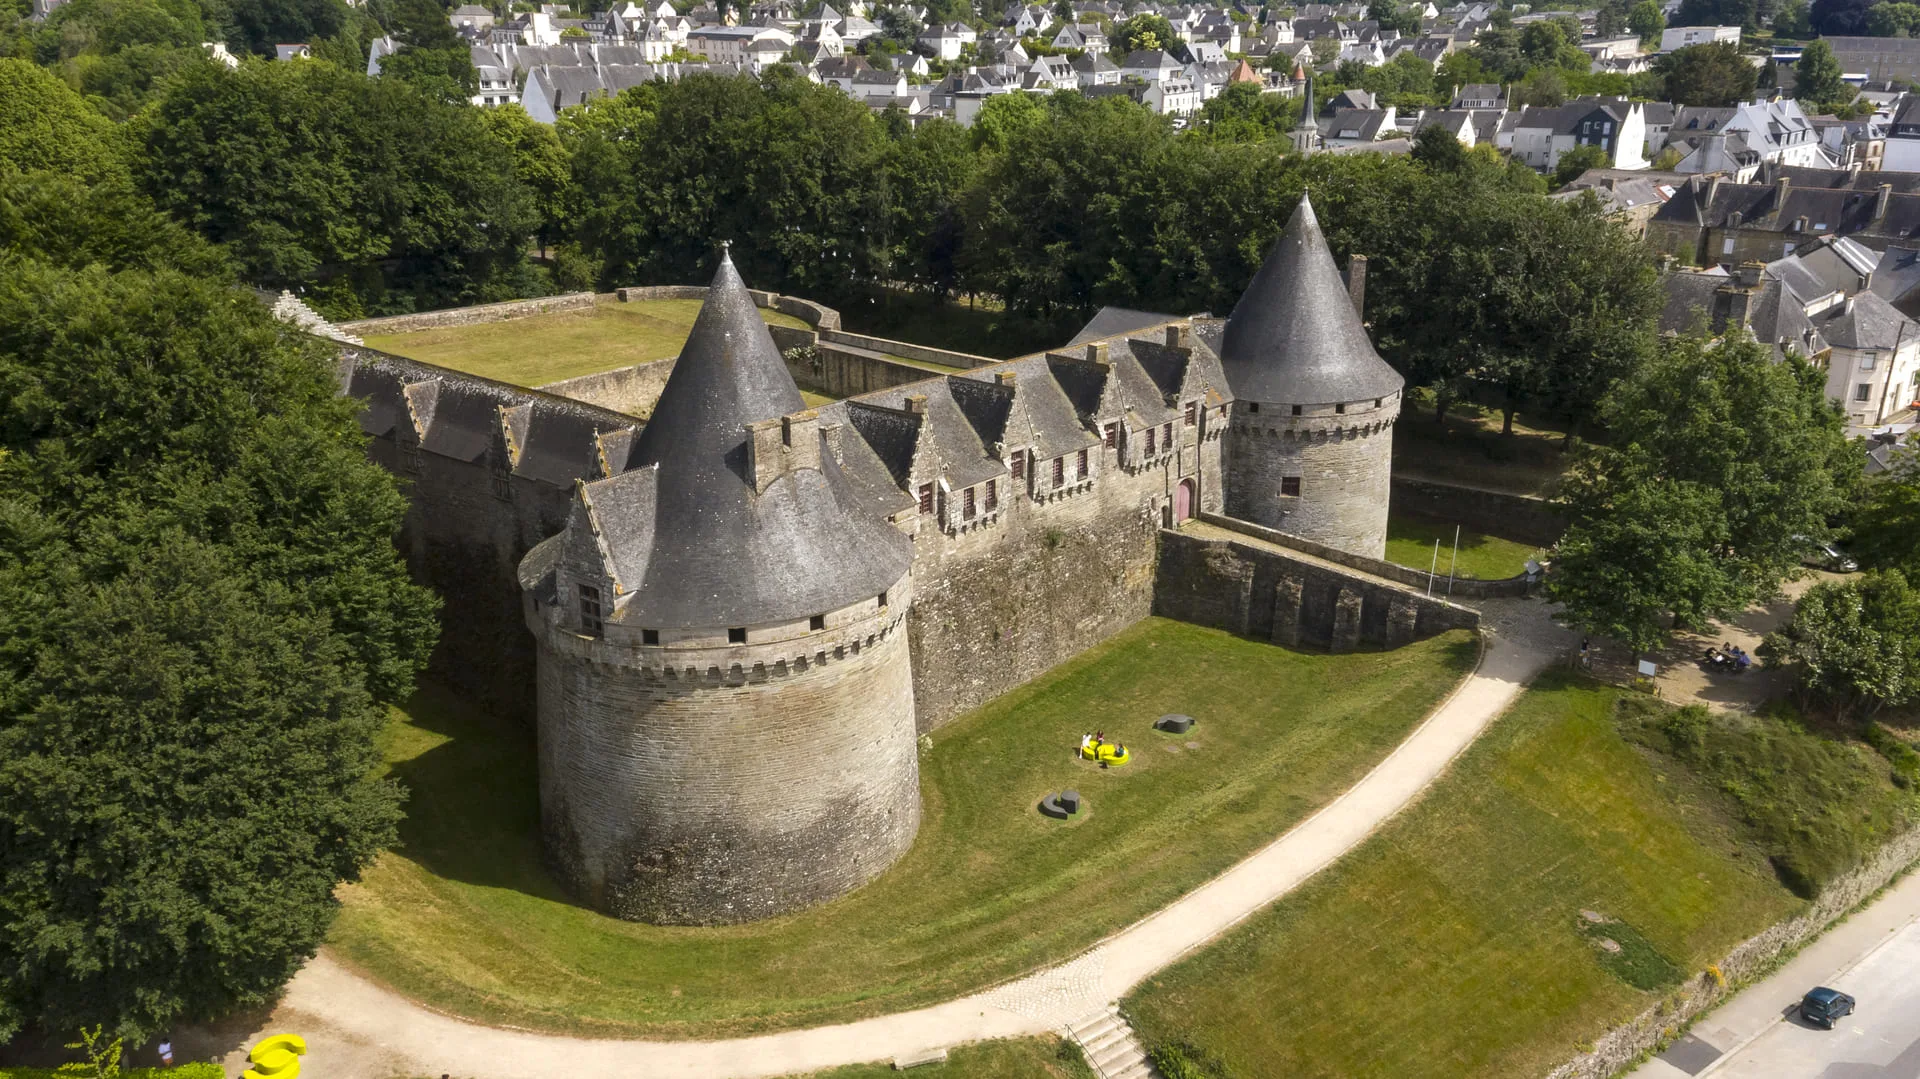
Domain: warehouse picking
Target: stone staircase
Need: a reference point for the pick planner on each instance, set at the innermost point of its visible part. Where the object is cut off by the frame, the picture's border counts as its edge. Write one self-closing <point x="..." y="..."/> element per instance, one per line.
<point x="290" y="308"/>
<point x="1110" y="1046"/>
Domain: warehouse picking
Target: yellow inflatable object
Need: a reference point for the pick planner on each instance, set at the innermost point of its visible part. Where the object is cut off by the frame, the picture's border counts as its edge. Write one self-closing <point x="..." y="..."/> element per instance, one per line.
<point x="277" y="1057"/>
<point x="1111" y="753"/>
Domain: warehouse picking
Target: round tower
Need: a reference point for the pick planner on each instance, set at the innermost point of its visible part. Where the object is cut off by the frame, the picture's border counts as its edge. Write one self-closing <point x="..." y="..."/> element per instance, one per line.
<point x="1310" y="445"/>
<point x="726" y="726"/>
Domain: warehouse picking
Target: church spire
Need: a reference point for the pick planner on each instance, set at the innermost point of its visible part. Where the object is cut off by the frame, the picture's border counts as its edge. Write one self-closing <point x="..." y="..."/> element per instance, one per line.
<point x="1306" y="136"/>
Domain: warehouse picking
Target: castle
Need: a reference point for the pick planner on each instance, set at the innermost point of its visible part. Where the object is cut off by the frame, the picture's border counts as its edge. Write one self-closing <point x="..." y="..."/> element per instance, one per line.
<point x="745" y="611"/>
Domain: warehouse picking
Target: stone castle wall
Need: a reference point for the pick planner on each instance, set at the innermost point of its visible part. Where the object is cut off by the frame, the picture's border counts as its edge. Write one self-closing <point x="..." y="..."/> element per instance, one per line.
<point x="470" y="316"/>
<point x="1256" y="590"/>
<point x="1343" y="461"/>
<point x="629" y="390"/>
<point x="1498" y="513"/>
<point x="668" y="794"/>
<point x="471" y="514"/>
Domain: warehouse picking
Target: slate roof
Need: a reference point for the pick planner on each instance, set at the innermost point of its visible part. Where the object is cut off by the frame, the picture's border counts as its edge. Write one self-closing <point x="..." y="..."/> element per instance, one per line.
<point x="715" y="553"/>
<point x="1897" y="277"/>
<point x="1112" y="321"/>
<point x="1864" y="321"/>
<point x="1294" y="336"/>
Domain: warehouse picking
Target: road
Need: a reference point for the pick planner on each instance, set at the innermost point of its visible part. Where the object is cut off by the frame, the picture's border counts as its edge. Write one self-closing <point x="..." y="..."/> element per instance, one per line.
<point x="1874" y="955"/>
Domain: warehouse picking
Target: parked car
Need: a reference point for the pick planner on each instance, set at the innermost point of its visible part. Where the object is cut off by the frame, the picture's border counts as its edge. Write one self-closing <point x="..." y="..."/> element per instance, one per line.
<point x="1824" y="1007"/>
<point x="1828" y="557"/>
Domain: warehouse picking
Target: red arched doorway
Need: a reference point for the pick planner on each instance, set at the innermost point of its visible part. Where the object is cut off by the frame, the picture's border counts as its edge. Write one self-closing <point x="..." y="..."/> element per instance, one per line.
<point x="1183" y="501"/>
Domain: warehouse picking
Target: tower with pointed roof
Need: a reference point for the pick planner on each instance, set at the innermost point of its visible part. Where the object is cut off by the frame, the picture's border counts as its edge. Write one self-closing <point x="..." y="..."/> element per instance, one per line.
<point x="1310" y="447"/>
<point x="726" y="720"/>
<point x="1306" y="134"/>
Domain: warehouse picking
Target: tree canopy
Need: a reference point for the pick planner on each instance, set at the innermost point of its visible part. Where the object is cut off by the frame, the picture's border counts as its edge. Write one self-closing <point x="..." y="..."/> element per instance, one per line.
<point x="204" y="616"/>
<point x="1713" y="75"/>
<point x="1854" y="644"/>
<point x="1724" y="466"/>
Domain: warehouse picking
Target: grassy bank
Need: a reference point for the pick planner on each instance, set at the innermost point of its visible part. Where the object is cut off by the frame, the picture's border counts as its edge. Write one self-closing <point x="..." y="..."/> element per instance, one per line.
<point x="1410" y="540"/>
<point x="1018" y="1058"/>
<point x="464" y="918"/>
<point x="1553" y="884"/>
<point x="539" y="349"/>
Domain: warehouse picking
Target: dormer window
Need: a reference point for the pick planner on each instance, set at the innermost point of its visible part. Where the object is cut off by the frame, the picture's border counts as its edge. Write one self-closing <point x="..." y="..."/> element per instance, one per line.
<point x="590" y="623"/>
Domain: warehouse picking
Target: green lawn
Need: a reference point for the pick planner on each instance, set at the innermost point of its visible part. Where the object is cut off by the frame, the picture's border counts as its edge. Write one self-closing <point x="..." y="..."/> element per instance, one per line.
<point x="539" y="349"/>
<point x="1016" y="1058"/>
<point x="1453" y="943"/>
<point x="1469" y="447"/>
<point x="463" y="918"/>
<point x="1410" y="543"/>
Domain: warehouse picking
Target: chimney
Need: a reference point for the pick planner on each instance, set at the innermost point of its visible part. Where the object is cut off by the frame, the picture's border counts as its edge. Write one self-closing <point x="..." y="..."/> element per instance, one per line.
<point x="777" y="447"/>
<point x="1180" y="336"/>
<point x="1748" y="275"/>
<point x="1003" y="378"/>
<point x="916" y="404"/>
<point x="1713" y="189"/>
<point x="1357" y="284"/>
<point x="1780" y="194"/>
<point x="1880" y="201"/>
<point x="1097" y="353"/>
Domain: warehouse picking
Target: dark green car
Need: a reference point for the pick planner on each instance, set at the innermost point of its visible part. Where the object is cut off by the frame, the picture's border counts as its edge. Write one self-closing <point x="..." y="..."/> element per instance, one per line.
<point x="1824" y="1007"/>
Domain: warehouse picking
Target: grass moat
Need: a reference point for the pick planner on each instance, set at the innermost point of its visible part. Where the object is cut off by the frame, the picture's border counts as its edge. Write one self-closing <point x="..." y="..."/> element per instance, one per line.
<point x="539" y="349"/>
<point x="1568" y="871"/>
<point x="463" y="917"/>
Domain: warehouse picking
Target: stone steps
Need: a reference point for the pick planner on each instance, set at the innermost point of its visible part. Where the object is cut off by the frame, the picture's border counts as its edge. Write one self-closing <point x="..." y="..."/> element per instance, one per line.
<point x="1109" y="1045"/>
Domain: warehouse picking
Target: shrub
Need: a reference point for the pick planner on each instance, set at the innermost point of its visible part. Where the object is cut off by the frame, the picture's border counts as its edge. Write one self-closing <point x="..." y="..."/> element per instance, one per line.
<point x="1184" y="1060"/>
<point x="1905" y="761"/>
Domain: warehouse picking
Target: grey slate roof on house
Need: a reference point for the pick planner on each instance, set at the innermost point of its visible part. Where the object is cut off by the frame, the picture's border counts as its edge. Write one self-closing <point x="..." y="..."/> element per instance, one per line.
<point x="1294" y="336"/>
<point x="718" y="554"/>
<point x="1864" y="321"/>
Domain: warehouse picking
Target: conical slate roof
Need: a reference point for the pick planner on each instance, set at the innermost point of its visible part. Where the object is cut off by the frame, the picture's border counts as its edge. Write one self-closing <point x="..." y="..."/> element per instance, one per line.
<point x="718" y="554"/>
<point x="1294" y="337"/>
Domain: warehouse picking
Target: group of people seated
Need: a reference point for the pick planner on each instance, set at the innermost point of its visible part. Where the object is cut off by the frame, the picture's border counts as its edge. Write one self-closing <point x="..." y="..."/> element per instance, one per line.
<point x="1095" y="747"/>
<point x="1729" y="657"/>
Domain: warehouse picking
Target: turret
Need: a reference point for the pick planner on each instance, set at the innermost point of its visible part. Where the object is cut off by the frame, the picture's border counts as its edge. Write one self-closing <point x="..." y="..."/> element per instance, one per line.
<point x="726" y="708"/>
<point x="1310" y="449"/>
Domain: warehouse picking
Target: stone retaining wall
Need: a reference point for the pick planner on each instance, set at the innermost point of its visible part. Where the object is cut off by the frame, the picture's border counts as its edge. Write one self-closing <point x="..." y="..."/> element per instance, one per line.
<point x="630" y="390"/>
<point x="1264" y="593"/>
<point x="907" y="349"/>
<point x="1463" y="587"/>
<point x="469" y="316"/>
<point x="1750" y="959"/>
<point x="1525" y="518"/>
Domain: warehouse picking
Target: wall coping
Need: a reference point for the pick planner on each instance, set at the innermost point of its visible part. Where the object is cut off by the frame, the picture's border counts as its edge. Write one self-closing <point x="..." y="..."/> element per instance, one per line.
<point x="1473" y="587"/>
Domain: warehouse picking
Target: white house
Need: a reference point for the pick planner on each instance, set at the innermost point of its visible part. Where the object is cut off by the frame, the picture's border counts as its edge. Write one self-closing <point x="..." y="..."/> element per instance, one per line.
<point x="945" y="42"/>
<point x="1679" y="37"/>
<point x="1618" y="127"/>
<point x="1173" y="97"/>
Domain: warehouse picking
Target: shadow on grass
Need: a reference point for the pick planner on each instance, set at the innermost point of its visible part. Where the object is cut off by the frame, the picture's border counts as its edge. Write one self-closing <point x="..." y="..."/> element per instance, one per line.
<point x="473" y="796"/>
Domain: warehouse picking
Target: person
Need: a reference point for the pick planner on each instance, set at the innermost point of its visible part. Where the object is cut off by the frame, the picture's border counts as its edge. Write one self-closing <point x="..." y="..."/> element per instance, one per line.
<point x="1586" y="652"/>
<point x="166" y="1054"/>
<point x="1086" y="741"/>
<point x="1745" y="661"/>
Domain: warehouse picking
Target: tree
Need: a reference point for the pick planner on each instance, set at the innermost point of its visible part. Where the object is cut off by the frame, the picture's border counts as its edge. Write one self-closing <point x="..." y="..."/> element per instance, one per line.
<point x="1723" y="464"/>
<point x="45" y="125"/>
<point x="1394" y="17"/>
<point x="1576" y="161"/>
<point x="1817" y="77"/>
<point x="1646" y="19"/>
<point x="1438" y="150"/>
<point x="1242" y="113"/>
<point x="927" y="170"/>
<point x="791" y="172"/>
<point x="1002" y="117"/>
<point x="1792" y="20"/>
<point x="1839" y="18"/>
<point x="1144" y="31"/>
<point x="1714" y="75"/>
<point x="366" y="190"/>
<point x="204" y="618"/>
<point x="1893" y="19"/>
<point x="540" y="163"/>
<point x="1853" y="644"/>
<point x="1888" y="519"/>
<point x="262" y="24"/>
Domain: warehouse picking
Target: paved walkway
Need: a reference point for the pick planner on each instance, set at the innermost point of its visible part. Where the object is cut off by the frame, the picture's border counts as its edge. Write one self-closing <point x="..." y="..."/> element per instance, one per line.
<point x="358" y="1030"/>
<point x="1874" y="954"/>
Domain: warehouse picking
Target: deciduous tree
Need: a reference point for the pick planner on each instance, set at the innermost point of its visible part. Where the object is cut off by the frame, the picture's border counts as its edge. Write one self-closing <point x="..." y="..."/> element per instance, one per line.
<point x="1715" y="75"/>
<point x="1854" y="644"/>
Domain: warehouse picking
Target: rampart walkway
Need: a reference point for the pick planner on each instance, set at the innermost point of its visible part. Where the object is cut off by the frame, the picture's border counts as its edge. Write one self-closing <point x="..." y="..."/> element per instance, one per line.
<point x="358" y="1030"/>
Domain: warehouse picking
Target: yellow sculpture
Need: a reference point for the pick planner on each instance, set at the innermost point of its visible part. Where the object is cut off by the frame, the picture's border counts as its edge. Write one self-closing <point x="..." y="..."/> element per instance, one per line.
<point x="277" y="1057"/>
<point x="1107" y="753"/>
